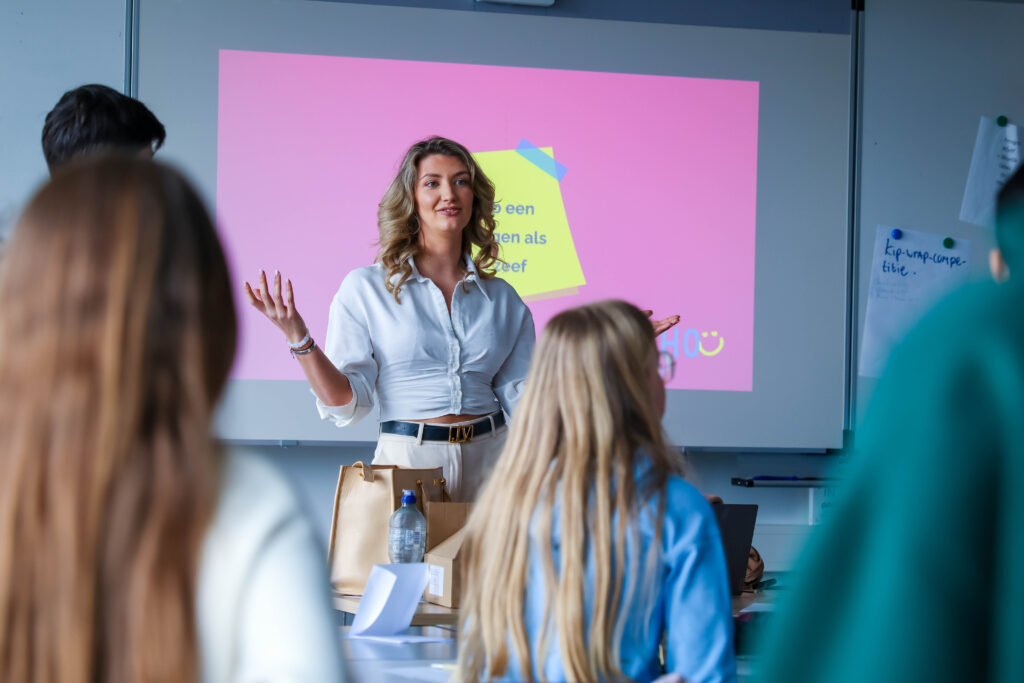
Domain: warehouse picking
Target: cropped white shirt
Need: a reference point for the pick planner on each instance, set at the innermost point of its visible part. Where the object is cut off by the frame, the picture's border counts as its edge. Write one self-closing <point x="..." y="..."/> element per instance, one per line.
<point x="415" y="359"/>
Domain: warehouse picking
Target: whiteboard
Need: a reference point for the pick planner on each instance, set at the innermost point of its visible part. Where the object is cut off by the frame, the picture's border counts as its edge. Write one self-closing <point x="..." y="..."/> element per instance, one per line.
<point x="801" y="278"/>
<point x="46" y="49"/>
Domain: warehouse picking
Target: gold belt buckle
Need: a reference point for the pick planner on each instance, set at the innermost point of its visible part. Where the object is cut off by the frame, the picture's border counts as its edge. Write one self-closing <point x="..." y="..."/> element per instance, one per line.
<point x="460" y="433"/>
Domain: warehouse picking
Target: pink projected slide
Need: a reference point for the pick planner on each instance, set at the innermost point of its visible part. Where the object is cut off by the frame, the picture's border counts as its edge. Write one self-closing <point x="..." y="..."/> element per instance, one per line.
<point x="609" y="186"/>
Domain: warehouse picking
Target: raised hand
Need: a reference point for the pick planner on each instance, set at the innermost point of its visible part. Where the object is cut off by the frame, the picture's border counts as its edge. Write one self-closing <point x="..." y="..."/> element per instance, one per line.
<point x="662" y="325"/>
<point x="278" y="306"/>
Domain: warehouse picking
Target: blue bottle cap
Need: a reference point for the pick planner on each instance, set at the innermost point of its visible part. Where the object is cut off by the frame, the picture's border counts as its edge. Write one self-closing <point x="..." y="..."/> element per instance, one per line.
<point x="897" y="233"/>
<point x="408" y="496"/>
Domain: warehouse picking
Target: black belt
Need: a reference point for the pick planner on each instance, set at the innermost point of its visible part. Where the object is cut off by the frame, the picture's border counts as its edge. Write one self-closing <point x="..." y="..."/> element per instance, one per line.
<point x="463" y="433"/>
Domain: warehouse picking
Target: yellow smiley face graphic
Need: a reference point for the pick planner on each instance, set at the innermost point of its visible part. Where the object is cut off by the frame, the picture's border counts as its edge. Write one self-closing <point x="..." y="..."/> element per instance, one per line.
<point x="721" y="343"/>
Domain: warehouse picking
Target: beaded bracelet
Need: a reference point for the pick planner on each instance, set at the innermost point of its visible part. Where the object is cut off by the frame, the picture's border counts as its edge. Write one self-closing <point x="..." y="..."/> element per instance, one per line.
<point x="305" y="340"/>
<point x="303" y="352"/>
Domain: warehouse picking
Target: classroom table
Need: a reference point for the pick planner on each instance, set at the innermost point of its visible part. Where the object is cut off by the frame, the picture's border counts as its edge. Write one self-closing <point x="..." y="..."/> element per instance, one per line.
<point x="401" y="663"/>
<point x="368" y="660"/>
<point x="427" y="614"/>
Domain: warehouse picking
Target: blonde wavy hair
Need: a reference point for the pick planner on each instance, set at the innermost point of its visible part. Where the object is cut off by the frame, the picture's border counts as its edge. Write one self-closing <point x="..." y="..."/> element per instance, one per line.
<point x="399" y="223"/>
<point x="584" y="424"/>
<point x="117" y="333"/>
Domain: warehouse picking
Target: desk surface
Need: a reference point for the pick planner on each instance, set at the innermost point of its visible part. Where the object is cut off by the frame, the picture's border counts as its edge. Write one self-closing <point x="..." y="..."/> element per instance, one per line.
<point x="402" y="663"/>
<point x="368" y="660"/>
<point x="744" y="600"/>
<point x="427" y="614"/>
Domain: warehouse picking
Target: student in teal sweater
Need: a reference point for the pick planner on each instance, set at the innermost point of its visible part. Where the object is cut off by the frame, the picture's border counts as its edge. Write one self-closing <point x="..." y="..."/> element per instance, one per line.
<point x="917" y="576"/>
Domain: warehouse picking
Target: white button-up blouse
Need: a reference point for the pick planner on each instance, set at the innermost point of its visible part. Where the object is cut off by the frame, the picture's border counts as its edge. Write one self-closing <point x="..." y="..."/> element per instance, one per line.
<point x="415" y="359"/>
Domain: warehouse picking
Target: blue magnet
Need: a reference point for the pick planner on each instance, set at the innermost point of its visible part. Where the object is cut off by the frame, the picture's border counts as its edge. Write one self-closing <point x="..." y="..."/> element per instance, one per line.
<point x="897" y="233"/>
<point x="1002" y="121"/>
<point x="948" y="243"/>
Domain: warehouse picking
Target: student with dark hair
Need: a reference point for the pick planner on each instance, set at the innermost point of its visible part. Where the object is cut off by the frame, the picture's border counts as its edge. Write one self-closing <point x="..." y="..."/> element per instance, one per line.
<point x="916" y="575"/>
<point x="95" y="117"/>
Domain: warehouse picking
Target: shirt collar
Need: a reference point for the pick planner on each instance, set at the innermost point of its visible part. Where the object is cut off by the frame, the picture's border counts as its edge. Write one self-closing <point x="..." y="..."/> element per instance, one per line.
<point x="416" y="272"/>
<point x="471" y="274"/>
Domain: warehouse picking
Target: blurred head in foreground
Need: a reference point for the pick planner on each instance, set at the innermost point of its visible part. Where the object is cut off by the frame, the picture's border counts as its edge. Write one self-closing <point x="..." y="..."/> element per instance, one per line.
<point x="117" y="333"/>
<point x="1009" y="251"/>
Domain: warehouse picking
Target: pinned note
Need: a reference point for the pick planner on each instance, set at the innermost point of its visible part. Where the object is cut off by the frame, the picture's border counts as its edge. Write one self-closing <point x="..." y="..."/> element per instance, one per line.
<point x="908" y="275"/>
<point x="996" y="157"/>
<point x="532" y="225"/>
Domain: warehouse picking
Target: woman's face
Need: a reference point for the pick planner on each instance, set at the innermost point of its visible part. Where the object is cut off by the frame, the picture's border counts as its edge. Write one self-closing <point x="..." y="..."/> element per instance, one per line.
<point x="444" y="198"/>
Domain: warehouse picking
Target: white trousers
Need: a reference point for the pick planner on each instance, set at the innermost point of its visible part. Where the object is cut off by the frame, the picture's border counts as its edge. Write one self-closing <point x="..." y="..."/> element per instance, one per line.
<point x="466" y="466"/>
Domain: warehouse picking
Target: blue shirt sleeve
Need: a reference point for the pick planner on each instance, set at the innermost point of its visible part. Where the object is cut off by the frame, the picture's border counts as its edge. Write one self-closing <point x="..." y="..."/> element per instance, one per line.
<point x="697" y="604"/>
<point x="511" y="377"/>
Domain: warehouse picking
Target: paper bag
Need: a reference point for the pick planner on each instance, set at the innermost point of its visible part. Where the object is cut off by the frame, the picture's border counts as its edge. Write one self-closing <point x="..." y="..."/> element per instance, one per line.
<point x="444" y="517"/>
<point x="364" y="500"/>
<point x="445" y="572"/>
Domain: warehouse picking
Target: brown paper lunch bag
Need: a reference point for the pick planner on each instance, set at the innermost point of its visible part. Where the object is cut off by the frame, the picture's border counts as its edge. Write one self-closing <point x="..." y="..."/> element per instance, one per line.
<point x="444" y="518"/>
<point x="363" y="502"/>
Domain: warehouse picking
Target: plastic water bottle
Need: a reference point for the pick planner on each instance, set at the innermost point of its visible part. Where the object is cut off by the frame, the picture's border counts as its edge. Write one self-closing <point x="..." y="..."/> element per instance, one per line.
<point x="408" y="535"/>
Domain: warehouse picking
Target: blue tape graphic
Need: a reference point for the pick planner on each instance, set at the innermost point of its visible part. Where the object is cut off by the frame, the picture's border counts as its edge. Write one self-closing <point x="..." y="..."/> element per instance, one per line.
<point x="539" y="158"/>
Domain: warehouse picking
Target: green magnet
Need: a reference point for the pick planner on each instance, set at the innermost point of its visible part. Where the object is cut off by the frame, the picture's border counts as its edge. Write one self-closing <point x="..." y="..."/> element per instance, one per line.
<point x="948" y="243"/>
<point x="1002" y="121"/>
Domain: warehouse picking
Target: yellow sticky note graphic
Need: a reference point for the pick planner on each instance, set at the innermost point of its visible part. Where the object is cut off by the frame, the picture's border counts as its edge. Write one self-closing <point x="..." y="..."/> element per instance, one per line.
<point x="532" y="227"/>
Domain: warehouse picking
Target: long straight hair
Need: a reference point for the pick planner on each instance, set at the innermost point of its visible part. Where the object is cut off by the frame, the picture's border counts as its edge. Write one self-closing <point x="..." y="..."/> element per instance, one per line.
<point x="117" y="333"/>
<point x="586" y="417"/>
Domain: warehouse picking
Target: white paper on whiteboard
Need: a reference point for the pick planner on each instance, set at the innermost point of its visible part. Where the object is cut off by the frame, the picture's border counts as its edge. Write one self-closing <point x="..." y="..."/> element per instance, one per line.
<point x="389" y="600"/>
<point x="908" y="275"/>
<point x="996" y="157"/>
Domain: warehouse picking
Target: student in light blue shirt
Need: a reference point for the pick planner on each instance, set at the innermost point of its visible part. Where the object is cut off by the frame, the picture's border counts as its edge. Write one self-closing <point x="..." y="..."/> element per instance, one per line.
<point x="587" y="549"/>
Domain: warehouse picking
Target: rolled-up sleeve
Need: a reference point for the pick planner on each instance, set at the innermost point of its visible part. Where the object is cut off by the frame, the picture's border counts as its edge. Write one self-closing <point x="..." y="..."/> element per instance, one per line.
<point x="348" y="346"/>
<point x="698" y="609"/>
<point x="511" y="376"/>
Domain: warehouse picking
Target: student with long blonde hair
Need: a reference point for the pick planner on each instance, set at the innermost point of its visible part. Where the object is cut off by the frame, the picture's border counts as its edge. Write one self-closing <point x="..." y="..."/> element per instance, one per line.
<point x="587" y="547"/>
<point x="131" y="547"/>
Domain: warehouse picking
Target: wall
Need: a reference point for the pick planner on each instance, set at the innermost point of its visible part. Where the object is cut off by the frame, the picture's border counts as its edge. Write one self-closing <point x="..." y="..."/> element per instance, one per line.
<point x="931" y="69"/>
<point x="782" y="516"/>
<point x="46" y="48"/>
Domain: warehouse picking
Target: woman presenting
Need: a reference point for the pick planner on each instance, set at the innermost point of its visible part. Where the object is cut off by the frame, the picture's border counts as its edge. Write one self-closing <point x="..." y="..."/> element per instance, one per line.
<point x="428" y="331"/>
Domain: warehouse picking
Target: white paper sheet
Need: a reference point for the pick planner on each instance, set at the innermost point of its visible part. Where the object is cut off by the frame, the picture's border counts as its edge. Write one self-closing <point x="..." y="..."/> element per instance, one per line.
<point x="908" y="275"/>
<point x="996" y="156"/>
<point x="389" y="599"/>
<point x="759" y="607"/>
<point x="420" y="672"/>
